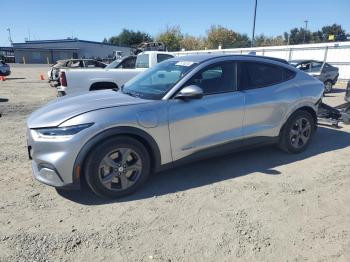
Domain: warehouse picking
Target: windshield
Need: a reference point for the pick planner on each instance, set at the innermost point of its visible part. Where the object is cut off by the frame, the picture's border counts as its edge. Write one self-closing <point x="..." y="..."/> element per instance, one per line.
<point x="157" y="81"/>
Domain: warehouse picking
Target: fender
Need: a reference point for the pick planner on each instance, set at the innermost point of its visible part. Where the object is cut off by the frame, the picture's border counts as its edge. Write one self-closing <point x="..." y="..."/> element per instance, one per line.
<point x="151" y="146"/>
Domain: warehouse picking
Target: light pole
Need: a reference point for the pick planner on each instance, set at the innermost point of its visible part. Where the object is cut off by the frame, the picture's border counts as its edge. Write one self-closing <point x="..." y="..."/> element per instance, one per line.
<point x="10" y="38"/>
<point x="253" y="33"/>
<point x="306" y="21"/>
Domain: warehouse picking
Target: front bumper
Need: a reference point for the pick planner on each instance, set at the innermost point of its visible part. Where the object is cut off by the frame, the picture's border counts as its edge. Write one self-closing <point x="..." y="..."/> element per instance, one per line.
<point x="47" y="175"/>
<point x="53" y="161"/>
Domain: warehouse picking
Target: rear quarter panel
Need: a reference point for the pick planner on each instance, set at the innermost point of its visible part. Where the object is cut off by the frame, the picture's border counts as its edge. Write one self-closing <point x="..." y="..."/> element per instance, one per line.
<point x="311" y="91"/>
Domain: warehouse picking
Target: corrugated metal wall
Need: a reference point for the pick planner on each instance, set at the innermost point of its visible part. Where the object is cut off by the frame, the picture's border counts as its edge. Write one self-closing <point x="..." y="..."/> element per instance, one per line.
<point x="337" y="54"/>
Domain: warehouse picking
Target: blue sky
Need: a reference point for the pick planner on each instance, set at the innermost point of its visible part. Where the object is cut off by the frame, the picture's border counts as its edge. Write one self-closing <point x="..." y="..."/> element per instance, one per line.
<point x="94" y="20"/>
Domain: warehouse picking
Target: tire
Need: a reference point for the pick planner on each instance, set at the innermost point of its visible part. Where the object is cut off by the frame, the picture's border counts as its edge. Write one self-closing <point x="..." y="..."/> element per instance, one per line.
<point x="117" y="167"/>
<point x="328" y="85"/>
<point x="293" y="138"/>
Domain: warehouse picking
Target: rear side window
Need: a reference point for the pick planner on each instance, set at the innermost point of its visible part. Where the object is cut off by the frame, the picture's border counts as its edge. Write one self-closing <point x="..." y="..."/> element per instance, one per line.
<point x="162" y="57"/>
<point x="252" y="75"/>
<point x="142" y="61"/>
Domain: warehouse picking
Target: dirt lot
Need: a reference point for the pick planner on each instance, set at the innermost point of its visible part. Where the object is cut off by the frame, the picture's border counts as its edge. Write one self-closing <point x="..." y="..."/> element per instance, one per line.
<point x="257" y="205"/>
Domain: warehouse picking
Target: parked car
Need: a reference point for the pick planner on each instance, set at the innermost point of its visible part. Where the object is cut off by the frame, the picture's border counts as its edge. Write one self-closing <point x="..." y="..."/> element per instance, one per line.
<point x="4" y="69"/>
<point x="79" y="81"/>
<point x="325" y="72"/>
<point x="182" y="109"/>
<point x="53" y="73"/>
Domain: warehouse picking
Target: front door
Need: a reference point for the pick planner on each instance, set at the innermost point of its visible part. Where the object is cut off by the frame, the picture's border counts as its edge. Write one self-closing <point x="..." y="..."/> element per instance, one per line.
<point x="215" y="119"/>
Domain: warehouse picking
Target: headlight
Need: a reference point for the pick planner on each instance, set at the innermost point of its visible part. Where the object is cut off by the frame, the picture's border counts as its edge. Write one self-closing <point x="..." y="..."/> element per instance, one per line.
<point x="58" y="132"/>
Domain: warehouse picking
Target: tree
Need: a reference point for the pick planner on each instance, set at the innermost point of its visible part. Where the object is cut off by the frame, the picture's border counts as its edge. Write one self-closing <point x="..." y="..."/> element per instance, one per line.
<point x="242" y="40"/>
<point x="335" y="30"/>
<point x="262" y="40"/>
<point x="130" y="38"/>
<point x="318" y="37"/>
<point x="171" y="37"/>
<point x="189" y="42"/>
<point x="105" y="40"/>
<point x="219" y="35"/>
<point x="296" y="36"/>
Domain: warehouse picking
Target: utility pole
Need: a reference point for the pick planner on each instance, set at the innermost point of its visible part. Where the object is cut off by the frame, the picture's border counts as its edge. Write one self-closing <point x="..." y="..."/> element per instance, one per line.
<point x="253" y="33"/>
<point x="10" y="38"/>
<point x="306" y="21"/>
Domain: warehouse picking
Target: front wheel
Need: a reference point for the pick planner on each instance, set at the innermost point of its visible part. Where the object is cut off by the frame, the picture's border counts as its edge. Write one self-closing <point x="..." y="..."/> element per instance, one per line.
<point x="297" y="132"/>
<point x="117" y="167"/>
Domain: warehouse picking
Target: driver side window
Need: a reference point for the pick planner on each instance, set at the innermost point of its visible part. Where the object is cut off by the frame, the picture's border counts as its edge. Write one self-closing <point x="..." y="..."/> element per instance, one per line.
<point x="215" y="79"/>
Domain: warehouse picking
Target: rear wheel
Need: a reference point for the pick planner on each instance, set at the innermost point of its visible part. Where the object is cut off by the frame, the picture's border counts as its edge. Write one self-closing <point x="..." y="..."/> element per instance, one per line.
<point x="328" y="85"/>
<point x="297" y="132"/>
<point x="117" y="167"/>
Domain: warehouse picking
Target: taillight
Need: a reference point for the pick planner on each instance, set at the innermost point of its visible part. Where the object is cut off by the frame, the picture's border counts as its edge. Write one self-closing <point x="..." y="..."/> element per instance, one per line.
<point x="63" y="79"/>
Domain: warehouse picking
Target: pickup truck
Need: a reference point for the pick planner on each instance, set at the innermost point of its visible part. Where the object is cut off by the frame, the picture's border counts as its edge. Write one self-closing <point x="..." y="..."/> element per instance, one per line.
<point x="79" y="80"/>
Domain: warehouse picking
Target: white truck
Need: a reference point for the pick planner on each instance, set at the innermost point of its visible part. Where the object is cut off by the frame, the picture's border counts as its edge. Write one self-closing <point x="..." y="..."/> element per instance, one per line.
<point x="81" y="80"/>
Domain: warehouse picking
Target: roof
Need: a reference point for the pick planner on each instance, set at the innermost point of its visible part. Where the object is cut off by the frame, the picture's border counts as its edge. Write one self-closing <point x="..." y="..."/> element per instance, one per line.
<point x="46" y="48"/>
<point x="298" y="61"/>
<point x="205" y="57"/>
<point x="62" y="41"/>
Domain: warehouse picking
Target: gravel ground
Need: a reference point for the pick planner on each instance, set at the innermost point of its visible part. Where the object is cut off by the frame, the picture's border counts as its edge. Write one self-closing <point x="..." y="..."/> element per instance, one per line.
<point x="257" y="205"/>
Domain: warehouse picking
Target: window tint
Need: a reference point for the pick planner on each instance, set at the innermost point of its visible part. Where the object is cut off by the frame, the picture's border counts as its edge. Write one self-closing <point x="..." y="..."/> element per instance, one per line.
<point x="256" y="75"/>
<point x="162" y="57"/>
<point x="215" y="79"/>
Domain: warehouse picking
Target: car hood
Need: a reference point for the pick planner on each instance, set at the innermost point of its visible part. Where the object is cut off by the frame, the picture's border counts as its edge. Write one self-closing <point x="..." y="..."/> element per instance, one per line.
<point x="62" y="109"/>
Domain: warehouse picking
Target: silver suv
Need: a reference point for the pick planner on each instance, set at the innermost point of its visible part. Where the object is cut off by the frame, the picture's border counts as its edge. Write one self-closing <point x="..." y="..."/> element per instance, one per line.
<point x="180" y="110"/>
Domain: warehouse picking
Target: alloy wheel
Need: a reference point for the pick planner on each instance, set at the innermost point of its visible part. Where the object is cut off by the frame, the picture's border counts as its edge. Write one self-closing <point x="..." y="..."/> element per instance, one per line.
<point x="120" y="169"/>
<point x="300" y="132"/>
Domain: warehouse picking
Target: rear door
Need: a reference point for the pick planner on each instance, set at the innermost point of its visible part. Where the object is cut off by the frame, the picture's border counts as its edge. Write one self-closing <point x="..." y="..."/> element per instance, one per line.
<point x="213" y="120"/>
<point x="268" y="94"/>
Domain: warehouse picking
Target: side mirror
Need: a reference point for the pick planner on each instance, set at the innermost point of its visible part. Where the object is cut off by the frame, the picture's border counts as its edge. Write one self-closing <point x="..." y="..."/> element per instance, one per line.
<point x="190" y="92"/>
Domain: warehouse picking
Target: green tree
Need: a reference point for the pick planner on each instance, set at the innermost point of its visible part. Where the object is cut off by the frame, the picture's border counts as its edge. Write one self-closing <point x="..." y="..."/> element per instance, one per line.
<point x="219" y="35"/>
<point x="335" y="30"/>
<point x="189" y="42"/>
<point x="296" y="36"/>
<point x="242" y="40"/>
<point x="171" y="37"/>
<point x="130" y="38"/>
<point x="262" y="40"/>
